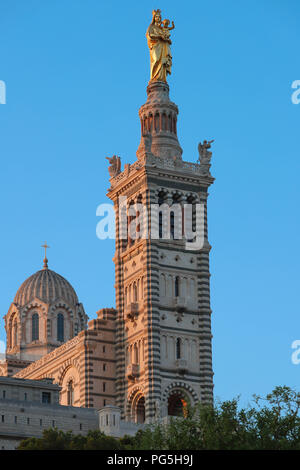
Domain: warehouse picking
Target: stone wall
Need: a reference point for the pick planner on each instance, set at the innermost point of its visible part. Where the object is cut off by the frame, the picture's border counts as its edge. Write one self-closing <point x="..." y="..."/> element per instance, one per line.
<point x="28" y="407"/>
<point x="20" y="420"/>
<point x="88" y="361"/>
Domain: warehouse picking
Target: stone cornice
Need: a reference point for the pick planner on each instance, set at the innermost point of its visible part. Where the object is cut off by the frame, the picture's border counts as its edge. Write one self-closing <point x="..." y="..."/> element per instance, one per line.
<point x="166" y="168"/>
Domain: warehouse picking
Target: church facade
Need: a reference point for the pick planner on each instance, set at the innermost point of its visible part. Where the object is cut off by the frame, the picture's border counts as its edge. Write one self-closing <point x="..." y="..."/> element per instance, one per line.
<point x="151" y="355"/>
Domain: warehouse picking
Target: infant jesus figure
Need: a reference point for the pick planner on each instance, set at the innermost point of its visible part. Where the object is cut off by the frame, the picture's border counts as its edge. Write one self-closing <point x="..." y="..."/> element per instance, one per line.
<point x="166" y="28"/>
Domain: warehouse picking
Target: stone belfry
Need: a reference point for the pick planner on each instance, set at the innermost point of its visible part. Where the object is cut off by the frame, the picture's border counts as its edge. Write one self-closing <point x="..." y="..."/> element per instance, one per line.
<point x="163" y="332"/>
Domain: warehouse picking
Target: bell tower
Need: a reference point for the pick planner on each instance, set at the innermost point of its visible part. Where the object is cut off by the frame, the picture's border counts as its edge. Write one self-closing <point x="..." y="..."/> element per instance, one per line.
<point x="163" y="332"/>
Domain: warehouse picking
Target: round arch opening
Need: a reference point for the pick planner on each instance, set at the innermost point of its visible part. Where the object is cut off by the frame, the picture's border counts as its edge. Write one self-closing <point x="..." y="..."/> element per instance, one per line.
<point x="138" y="409"/>
<point x="177" y="404"/>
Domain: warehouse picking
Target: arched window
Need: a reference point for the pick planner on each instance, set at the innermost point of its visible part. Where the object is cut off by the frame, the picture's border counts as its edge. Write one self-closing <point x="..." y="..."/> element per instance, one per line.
<point x="172" y="225"/>
<point x="178" y="348"/>
<point x="140" y="411"/>
<point x="15" y="333"/>
<point x="176" y="218"/>
<point x="70" y="393"/>
<point x="177" y="286"/>
<point x="160" y="224"/>
<point x="131" y="223"/>
<point x="35" y="327"/>
<point x="161" y="200"/>
<point x="177" y="405"/>
<point x="150" y="122"/>
<point x="60" y="327"/>
<point x="134" y="292"/>
<point x="136" y="354"/>
<point x="156" y="122"/>
<point x="10" y="335"/>
<point x="191" y="219"/>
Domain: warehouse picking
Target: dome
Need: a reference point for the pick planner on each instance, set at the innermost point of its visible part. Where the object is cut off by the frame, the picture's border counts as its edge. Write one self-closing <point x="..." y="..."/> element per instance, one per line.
<point x="48" y="286"/>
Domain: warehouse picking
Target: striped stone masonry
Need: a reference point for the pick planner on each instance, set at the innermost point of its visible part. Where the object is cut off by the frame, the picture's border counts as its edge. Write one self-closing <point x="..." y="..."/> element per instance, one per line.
<point x="163" y="327"/>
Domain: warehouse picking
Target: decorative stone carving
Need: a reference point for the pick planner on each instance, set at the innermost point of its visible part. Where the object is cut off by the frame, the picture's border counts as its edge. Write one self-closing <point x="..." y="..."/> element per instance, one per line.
<point x="205" y="157"/>
<point x="204" y="154"/>
<point x="115" y="165"/>
<point x="179" y="316"/>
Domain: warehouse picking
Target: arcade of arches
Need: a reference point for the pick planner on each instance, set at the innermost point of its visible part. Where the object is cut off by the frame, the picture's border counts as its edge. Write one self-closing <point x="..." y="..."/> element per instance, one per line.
<point x="177" y="406"/>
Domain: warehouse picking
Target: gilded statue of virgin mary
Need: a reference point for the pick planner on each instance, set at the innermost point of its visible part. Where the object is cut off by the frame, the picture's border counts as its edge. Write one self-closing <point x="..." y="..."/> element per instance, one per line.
<point x="158" y="38"/>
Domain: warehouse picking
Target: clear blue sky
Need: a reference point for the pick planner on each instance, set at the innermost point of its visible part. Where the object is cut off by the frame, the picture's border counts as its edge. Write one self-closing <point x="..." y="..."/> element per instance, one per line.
<point x="76" y="73"/>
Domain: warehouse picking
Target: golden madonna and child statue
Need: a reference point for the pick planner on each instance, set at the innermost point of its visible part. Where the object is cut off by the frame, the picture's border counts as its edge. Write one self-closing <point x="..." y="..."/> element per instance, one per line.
<point x="158" y="38"/>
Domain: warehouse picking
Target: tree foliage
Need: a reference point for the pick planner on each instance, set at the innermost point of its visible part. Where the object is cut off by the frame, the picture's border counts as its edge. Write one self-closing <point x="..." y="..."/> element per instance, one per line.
<point x="54" y="439"/>
<point x="271" y="423"/>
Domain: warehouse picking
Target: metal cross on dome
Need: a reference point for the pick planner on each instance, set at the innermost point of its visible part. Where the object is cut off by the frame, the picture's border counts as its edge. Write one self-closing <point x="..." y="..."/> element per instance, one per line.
<point x="45" y="259"/>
